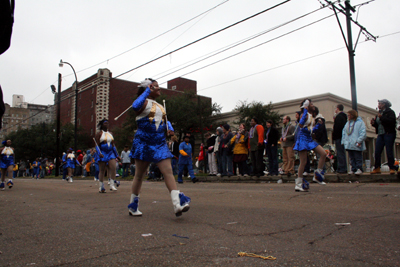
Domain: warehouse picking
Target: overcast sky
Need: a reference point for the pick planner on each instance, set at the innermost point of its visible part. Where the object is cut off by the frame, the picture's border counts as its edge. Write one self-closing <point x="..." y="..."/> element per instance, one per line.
<point x="304" y="63"/>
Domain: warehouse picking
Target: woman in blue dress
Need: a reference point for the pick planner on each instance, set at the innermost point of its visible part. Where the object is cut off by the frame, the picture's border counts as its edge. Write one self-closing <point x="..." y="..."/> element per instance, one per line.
<point x="6" y="164"/>
<point x="71" y="161"/>
<point x="305" y="143"/>
<point x="107" y="155"/>
<point x="149" y="145"/>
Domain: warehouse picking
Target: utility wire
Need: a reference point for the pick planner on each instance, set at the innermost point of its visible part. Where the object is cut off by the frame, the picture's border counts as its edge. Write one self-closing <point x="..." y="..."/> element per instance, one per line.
<point x="196" y="41"/>
<point x="248" y="49"/>
<point x="139" y="45"/>
<point x="205" y="37"/>
<point x="243" y="41"/>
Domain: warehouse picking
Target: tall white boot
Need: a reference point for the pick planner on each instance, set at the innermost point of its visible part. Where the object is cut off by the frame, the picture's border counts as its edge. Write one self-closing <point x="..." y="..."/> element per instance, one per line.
<point x="101" y="187"/>
<point x="133" y="208"/>
<point x="112" y="185"/>
<point x="300" y="186"/>
<point x="180" y="202"/>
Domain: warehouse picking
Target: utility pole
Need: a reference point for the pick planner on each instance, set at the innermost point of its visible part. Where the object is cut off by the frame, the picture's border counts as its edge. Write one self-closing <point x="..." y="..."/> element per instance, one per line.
<point x="349" y="43"/>
<point x="58" y="157"/>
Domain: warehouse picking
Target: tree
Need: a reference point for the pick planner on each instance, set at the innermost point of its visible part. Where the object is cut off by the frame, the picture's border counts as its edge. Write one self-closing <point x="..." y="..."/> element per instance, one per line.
<point x="258" y="110"/>
<point x="40" y="141"/>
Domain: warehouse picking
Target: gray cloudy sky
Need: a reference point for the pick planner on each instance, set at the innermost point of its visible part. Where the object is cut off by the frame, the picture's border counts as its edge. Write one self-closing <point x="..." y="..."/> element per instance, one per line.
<point x="87" y="32"/>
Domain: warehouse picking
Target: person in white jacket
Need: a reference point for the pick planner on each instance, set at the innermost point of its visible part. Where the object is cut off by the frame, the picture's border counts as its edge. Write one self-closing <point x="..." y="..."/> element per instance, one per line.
<point x="353" y="138"/>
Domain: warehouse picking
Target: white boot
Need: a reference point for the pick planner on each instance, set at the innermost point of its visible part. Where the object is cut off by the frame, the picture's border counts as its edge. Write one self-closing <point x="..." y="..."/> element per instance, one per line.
<point x="133" y="208"/>
<point x="112" y="185"/>
<point x="299" y="187"/>
<point x="101" y="187"/>
<point x="180" y="202"/>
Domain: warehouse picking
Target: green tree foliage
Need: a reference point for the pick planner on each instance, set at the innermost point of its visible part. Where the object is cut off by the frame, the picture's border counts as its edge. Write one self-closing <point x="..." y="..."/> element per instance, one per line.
<point x="40" y="141"/>
<point x="186" y="112"/>
<point x="258" y="110"/>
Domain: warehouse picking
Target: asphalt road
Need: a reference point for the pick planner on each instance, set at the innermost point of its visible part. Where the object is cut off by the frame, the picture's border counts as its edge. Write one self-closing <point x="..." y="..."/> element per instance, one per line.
<point x="54" y="223"/>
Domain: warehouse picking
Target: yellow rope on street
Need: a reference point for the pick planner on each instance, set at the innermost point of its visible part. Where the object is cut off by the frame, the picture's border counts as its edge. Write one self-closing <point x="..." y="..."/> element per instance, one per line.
<point x="244" y="254"/>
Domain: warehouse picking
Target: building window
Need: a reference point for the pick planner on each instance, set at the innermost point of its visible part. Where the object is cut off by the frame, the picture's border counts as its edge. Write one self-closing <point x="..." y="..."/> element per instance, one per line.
<point x="68" y="113"/>
<point x="79" y="121"/>
<point x="16" y="115"/>
<point x="92" y="103"/>
<point x="80" y="96"/>
<point x="79" y="108"/>
<point x="91" y="118"/>
<point x="91" y="131"/>
<point x="92" y="90"/>
<point x="69" y="101"/>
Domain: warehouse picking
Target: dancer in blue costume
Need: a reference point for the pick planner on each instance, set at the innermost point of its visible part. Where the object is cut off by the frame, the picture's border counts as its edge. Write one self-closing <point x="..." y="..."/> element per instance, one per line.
<point x="304" y="143"/>
<point x="36" y="168"/>
<point x="107" y="154"/>
<point x="150" y="145"/>
<point x="6" y="164"/>
<point x="71" y="161"/>
<point x="95" y="162"/>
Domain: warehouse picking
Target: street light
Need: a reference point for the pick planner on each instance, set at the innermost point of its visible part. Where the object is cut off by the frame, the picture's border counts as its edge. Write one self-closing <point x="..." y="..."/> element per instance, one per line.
<point x="61" y="64"/>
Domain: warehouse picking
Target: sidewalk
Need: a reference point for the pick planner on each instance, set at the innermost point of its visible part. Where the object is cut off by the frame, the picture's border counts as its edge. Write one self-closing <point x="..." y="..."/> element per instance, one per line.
<point x="329" y="178"/>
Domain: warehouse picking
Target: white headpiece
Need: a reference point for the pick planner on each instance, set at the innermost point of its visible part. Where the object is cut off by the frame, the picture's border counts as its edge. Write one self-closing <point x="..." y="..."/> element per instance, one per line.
<point x="305" y="104"/>
<point x="146" y="83"/>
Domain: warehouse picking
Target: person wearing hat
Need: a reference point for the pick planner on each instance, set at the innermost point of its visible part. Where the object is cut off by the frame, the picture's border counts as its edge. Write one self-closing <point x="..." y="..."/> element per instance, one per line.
<point x="6" y="164"/>
<point x="185" y="159"/>
<point x="385" y="126"/>
<point x="256" y="147"/>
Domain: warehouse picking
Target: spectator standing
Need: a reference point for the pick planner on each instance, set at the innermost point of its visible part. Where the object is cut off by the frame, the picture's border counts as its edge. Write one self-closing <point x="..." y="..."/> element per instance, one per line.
<point x="271" y="147"/>
<point x="354" y="135"/>
<point x="216" y="150"/>
<point x="43" y="163"/>
<point x="385" y="127"/>
<point x="88" y="162"/>
<point x="126" y="161"/>
<point x="287" y="141"/>
<point x="256" y="146"/>
<point x="36" y="168"/>
<point x="185" y="159"/>
<point x="174" y="148"/>
<point x="339" y="121"/>
<point x="22" y="168"/>
<point x="212" y="163"/>
<point x="240" y="150"/>
<point x="319" y="133"/>
<point x="84" y="161"/>
<point x="225" y="149"/>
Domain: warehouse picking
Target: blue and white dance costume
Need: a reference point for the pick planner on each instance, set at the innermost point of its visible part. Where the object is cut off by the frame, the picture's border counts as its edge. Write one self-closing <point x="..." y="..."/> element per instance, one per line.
<point x="185" y="159"/>
<point x="107" y="149"/>
<point x="65" y="170"/>
<point x="304" y="140"/>
<point x="95" y="163"/>
<point x="6" y="160"/>
<point x="7" y="157"/>
<point x="71" y="161"/>
<point x="150" y="144"/>
<point x="36" y="169"/>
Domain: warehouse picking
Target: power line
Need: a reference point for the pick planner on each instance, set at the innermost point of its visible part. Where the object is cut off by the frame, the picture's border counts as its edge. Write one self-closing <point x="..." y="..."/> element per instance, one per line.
<point x="248" y="49"/>
<point x="151" y="39"/>
<point x="205" y="37"/>
<point x="243" y="77"/>
<point x="196" y="41"/>
<point x="242" y="41"/>
<point x="290" y="63"/>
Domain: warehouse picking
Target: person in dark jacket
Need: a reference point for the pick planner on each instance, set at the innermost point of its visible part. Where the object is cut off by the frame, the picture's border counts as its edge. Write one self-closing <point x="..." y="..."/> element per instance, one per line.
<point x="271" y="147"/>
<point x="174" y="148"/>
<point x="212" y="163"/>
<point x="385" y="127"/>
<point x="340" y="120"/>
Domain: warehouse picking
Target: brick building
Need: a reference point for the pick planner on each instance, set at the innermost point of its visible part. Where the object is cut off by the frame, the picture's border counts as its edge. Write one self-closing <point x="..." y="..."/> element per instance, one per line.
<point x="100" y="97"/>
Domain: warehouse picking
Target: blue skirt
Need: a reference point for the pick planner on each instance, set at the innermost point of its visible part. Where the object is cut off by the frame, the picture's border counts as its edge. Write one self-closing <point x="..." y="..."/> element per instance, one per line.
<point x="5" y="162"/>
<point x="70" y="164"/>
<point x="150" y="144"/>
<point x="107" y="151"/>
<point x="304" y="141"/>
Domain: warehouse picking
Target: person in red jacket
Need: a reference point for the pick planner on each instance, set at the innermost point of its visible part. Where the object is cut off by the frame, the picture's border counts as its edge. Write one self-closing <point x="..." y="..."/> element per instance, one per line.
<point x="256" y="147"/>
